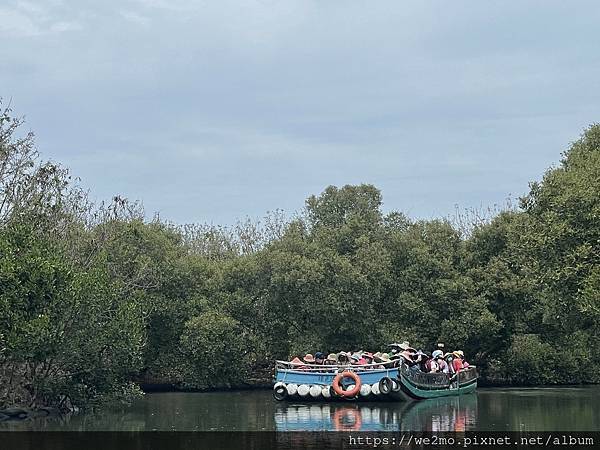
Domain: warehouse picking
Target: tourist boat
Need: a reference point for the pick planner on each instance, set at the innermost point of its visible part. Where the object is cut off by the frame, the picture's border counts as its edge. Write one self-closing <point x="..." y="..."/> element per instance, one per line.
<point x="366" y="382"/>
<point x="418" y="385"/>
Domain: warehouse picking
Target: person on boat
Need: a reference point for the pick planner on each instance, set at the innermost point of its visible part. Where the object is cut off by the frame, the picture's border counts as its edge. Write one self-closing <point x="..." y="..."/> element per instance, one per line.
<point x="457" y="363"/>
<point x="297" y="364"/>
<point x="343" y="359"/>
<point x="438" y="356"/>
<point x="331" y="360"/>
<point x="309" y="359"/>
<point x="377" y="359"/>
<point x="319" y="358"/>
<point x="421" y="358"/>
<point x="449" y="358"/>
<point x="385" y="360"/>
<point x="357" y="360"/>
<point x="431" y="365"/>
<point x="461" y="354"/>
<point x="368" y="357"/>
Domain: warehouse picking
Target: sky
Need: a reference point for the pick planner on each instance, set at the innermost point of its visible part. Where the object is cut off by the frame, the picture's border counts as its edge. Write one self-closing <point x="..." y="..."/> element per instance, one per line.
<point x="212" y="111"/>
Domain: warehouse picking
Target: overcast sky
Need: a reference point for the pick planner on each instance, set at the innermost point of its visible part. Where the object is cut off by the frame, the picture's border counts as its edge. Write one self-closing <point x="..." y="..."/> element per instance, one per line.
<point x="210" y="111"/>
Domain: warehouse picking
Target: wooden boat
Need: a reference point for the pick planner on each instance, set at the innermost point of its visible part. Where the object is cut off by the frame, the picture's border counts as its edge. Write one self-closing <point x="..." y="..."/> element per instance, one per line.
<point x="419" y="386"/>
<point x="368" y="382"/>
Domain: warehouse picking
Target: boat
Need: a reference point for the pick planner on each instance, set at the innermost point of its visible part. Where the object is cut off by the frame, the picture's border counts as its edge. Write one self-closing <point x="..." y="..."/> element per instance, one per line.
<point x="418" y="385"/>
<point x="367" y="382"/>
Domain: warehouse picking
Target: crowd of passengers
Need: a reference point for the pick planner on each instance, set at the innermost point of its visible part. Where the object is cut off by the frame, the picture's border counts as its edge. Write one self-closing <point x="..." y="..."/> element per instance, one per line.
<point x="417" y="360"/>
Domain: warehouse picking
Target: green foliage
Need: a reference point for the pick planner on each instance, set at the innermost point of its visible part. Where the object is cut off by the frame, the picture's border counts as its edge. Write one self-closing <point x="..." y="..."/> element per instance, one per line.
<point x="216" y="349"/>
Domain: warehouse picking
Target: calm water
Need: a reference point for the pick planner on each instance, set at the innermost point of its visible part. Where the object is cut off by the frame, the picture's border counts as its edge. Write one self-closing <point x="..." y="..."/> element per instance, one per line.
<point x="537" y="409"/>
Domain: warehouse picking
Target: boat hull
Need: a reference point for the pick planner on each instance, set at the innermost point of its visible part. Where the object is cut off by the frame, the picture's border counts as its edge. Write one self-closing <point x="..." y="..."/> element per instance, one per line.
<point x="419" y="386"/>
<point x="409" y="384"/>
<point x="325" y="379"/>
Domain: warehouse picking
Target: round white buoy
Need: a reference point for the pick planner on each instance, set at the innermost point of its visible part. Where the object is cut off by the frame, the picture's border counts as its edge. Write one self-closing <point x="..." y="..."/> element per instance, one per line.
<point x="292" y="389"/>
<point x="303" y="390"/>
<point x="315" y="391"/>
<point x="325" y="392"/>
<point x="375" y="389"/>
<point x="365" y="390"/>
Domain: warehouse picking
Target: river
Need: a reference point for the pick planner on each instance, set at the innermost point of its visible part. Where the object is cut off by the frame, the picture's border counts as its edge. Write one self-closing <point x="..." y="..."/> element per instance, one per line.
<point x="494" y="409"/>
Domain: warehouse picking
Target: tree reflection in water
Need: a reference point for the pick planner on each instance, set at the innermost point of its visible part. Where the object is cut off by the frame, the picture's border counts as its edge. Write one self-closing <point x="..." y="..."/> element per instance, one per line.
<point x="443" y="414"/>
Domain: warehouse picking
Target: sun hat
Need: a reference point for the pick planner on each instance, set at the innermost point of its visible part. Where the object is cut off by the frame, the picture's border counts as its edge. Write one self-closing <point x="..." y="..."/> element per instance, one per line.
<point x="355" y="356"/>
<point x="385" y="357"/>
<point x="457" y="354"/>
<point x="332" y="357"/>
<point x="342" y="355"/>
<point x="296" y="360"/>
<point x="406" y="346"/>
<point x="309" y="358"/>
<point x="437" y="354"/>
<point x="460" y="353"/>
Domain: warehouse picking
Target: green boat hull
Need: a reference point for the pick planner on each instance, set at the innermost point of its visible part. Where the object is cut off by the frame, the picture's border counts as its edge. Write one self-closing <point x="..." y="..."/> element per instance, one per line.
<point x="421" y="391"/>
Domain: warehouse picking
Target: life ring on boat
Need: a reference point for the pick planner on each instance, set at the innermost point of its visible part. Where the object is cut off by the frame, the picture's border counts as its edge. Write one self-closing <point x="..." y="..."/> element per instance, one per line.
<point x="354" y="424"/>
<point x="337" y="384"/>
<point x="385" y="385"/>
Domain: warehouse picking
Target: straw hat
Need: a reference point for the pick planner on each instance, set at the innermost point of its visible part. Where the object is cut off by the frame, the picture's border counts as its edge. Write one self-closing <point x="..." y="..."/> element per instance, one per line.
<point x="332" y="357"/>
<point x="405" y="346"/>
<point x="377" y="355"/>
<point x="309" y="358"/>
<point x="385" y="357"/>
<point x="458" y="354"/>
<point x="296" y="360"/>
<point x="342" y="355"/>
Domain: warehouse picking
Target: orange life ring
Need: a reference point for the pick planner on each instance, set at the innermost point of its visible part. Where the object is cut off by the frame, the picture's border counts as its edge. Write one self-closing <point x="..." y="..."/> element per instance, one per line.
<point x="355" y="419"/>
<point x="337" y="384"/>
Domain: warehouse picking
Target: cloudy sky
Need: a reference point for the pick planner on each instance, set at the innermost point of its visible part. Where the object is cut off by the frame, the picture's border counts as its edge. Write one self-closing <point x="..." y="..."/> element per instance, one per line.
<point x="210" y="111"/>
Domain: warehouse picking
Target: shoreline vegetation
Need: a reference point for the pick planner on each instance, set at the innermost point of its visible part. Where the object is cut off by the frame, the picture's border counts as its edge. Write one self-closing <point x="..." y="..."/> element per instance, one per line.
<point x="95" y="299"/>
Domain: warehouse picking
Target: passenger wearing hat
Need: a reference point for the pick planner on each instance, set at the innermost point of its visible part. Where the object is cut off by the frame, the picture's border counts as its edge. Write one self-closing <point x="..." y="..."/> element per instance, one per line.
<point x="438" y="355"/>
<point x="421" y="359"/>
<point x="309" y="359"/>
<point x="343" y="358"/>
<point x="297" y="364"/>
<point x="457" y="362"/>
<point x="449" y="357"/>
<point x="319" y="358"/>
<point x="332" y="360"/>
<point x="368" y="357"/>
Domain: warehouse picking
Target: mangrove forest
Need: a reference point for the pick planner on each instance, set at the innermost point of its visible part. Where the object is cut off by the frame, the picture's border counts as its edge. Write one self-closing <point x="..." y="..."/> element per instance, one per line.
<point x="99" y="299"/>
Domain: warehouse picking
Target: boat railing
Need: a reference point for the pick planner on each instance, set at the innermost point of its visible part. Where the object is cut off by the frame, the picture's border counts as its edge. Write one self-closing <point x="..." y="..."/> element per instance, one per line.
<point x="320" y="368"/>
<point x="467" y="374"/>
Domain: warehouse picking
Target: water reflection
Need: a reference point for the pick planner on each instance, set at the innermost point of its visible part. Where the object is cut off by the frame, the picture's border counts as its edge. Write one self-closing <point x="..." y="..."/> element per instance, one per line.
<point x="533" y="409"/>
<point x="444" y="414"/>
